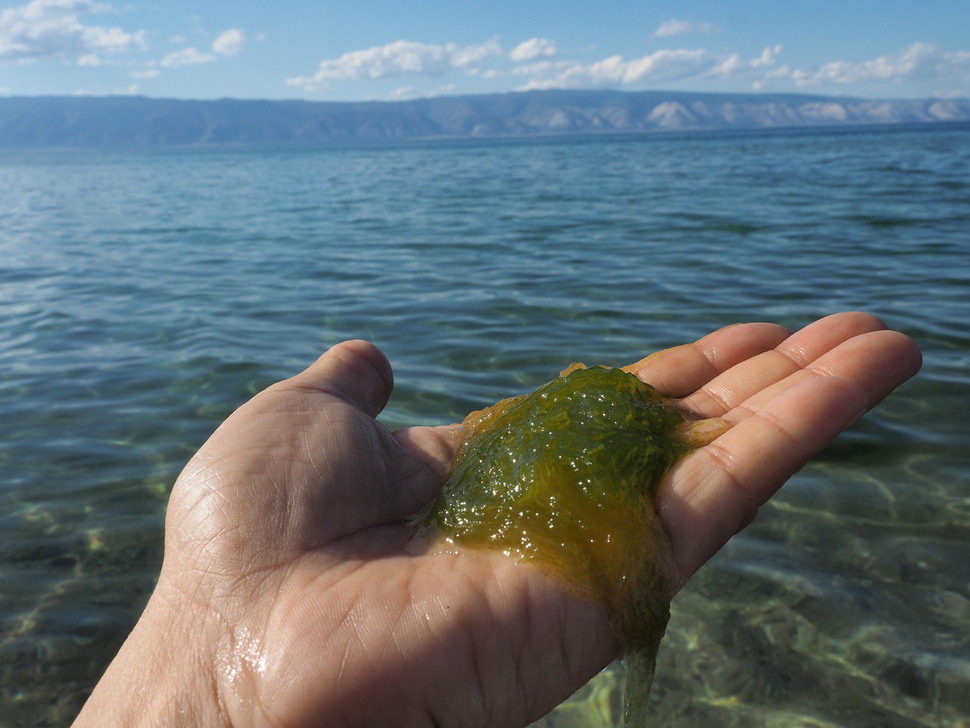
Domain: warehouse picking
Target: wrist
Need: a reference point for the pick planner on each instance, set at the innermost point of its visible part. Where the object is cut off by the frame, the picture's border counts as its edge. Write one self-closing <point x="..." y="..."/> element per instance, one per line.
<point x="162" y="676"/>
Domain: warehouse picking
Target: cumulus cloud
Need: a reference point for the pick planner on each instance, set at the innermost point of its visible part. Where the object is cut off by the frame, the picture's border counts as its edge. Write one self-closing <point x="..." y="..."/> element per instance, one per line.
<point x="920" y="60"/>
<point x="768" y="57"/>
<point x="673" y="27"/>
<point x="468" y="56"/>
<point x="410" y="92"/>
<point x="733" y="65"/>
<point x="539" y="64"/>
<point x="663" y="66"/>
<point x="52" y="29"/>
<point x="230" y="42"/>
<point x="534" y="48"/>
<point x="190" y="56"/>
<point x="400" y="59"/>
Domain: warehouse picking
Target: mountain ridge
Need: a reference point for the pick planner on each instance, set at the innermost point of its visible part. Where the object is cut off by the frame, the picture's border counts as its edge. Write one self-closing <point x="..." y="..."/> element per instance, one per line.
<point x="138" y="121"/>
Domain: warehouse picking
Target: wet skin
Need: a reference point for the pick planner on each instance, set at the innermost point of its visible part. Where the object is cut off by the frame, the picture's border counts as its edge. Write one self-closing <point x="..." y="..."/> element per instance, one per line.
<point x="565" y="478"/>
<point x="291" y="594"/>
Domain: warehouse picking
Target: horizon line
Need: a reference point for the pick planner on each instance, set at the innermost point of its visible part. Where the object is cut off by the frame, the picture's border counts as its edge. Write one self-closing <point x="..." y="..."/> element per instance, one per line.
<point x="624" y="92"/>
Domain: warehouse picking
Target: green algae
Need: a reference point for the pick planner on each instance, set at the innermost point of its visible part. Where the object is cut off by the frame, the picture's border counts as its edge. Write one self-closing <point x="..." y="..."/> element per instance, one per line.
<point x="566" y="478"/>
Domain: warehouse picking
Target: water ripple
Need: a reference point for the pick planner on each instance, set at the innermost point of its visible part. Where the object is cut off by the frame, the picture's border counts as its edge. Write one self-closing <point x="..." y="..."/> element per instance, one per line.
<point x="144" y="295"/>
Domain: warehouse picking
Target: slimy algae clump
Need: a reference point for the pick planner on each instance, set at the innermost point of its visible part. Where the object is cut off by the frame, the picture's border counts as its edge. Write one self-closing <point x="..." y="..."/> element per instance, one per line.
<point x="566" y="478"/>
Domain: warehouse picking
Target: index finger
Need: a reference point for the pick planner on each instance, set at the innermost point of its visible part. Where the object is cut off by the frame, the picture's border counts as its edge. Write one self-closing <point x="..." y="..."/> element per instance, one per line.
<point x="681" y="370"/>
<point x="716" y="491"/>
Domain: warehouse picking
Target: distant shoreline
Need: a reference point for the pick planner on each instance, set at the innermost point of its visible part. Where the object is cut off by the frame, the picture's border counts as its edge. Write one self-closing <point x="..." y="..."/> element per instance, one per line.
<point x="140" y="122"/>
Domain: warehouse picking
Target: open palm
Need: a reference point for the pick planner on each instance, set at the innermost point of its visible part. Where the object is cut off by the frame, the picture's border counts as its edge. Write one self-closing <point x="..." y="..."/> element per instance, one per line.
<point x="295" y="581"/>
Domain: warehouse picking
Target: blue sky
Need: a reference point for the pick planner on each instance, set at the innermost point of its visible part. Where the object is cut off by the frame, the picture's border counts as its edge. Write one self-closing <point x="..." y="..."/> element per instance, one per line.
<point x="391" y="49"/>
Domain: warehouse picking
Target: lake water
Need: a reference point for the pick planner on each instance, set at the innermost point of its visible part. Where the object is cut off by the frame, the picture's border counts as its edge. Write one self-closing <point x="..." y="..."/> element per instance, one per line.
<point x="146" y="294"/>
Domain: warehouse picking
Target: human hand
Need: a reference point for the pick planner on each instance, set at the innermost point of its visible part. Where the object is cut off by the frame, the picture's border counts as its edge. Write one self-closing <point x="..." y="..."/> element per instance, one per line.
<point x="292" y="592"/>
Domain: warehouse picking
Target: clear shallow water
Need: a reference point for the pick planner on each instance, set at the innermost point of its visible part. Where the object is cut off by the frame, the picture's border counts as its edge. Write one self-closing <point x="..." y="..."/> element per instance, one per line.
<point x="145" y="295"/>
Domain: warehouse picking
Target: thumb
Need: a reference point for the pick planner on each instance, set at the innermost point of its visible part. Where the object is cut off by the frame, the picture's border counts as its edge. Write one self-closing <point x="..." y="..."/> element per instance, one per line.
<point x="304" y="463"/>
<point x="355" y="371"/>
<point x="357" y="474"/>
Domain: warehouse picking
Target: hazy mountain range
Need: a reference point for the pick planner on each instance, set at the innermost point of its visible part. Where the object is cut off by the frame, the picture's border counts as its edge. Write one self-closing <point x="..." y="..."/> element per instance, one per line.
<point x="133" y="121"/>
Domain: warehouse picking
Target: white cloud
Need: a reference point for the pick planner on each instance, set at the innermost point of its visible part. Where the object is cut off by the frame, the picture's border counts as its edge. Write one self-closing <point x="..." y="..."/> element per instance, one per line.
<point x="534" y="48"/>
<point x="675" y="27"/>
<point x="397" y="60"/>
<point x="466" y="56"/>
<point x="404" y="93"/>
<point x="782" y="72"/>
<point x="190" y="56"/>
<point x="410" y="92"/>
<point x="52" y="29"/>
<point x="768" y="57"/>
<point x="918" y="61"/>
<point x="229" y="43"/>
<point x="663" y="66"/>
<point x="733" y="66"/>
<point x="110" y="39"/>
